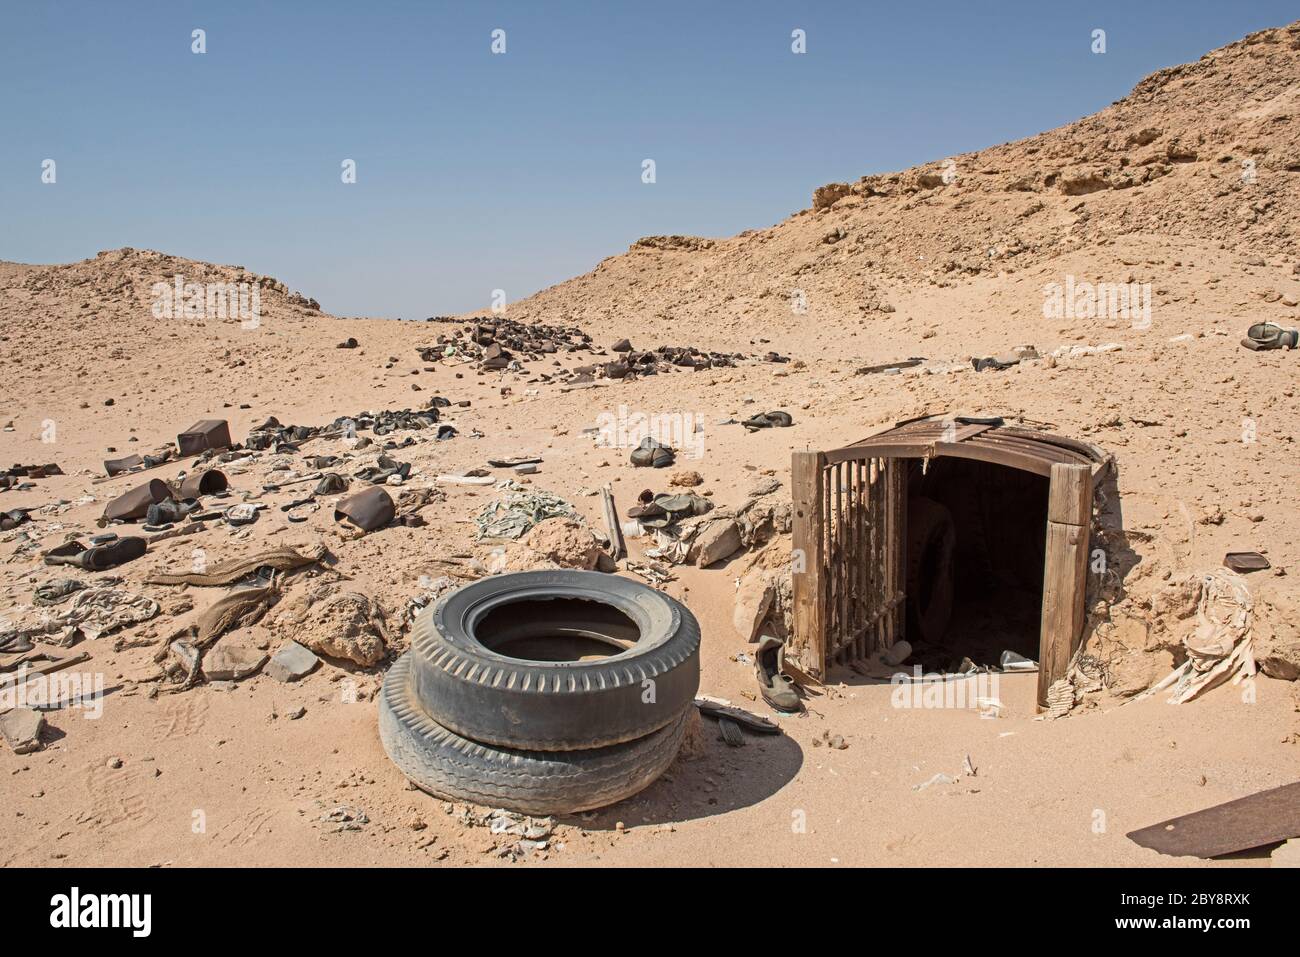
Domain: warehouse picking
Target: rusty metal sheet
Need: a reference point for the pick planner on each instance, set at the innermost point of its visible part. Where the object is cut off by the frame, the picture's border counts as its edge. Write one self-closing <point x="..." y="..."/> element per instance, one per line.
<point x="1010" y="445"/>
<point x="1263" y="818"/>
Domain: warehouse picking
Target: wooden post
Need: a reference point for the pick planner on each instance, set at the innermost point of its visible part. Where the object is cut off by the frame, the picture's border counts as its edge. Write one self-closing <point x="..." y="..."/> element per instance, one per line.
<point x="1065" y="571"/>
<point x="809" y="558"/>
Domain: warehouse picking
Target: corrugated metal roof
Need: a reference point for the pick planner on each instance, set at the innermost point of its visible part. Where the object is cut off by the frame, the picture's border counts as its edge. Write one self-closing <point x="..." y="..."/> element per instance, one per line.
<point x="1012" y="445"/>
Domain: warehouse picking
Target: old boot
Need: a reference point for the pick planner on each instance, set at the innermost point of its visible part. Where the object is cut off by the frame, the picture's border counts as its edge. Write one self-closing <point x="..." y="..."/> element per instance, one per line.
<point x="776" y="689"/>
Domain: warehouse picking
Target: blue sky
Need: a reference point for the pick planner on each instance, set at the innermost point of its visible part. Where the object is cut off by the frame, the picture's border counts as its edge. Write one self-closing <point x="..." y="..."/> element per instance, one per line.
<point x="478" y="171"/>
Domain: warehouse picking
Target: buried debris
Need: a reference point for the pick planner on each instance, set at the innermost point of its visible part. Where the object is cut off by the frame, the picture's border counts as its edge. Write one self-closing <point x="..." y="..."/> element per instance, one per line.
<point x="617" y="544"/>
<point x="719" y="709"/>
<point x="1221" y="647"/>
<point x="347" y="625"/>
<point x="367" y="510"/>
<point x="768" y="420"/>
<point x="134" y="504"/>
<point x="282" y="559"/>
<point x="511" y="517"/>
<point x="1005" y="361"/>
<point x="181" y="652"/>
<point x="232" y="661"/>
<point x="1262" y="818"/>
<point x="92" y="612"/>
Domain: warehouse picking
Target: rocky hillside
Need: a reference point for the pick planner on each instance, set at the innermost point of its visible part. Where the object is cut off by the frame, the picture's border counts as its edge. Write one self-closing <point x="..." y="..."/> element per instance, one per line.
<point x="1199" y="160"/>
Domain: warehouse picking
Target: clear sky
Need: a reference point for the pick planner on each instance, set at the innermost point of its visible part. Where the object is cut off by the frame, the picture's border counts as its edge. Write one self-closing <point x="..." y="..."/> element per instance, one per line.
<point x="478" y="171"/>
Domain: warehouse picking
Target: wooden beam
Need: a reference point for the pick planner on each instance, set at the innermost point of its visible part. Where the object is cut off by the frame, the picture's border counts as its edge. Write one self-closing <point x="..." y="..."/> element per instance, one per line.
<point x="809" y="557"/>
<point x="1065" y="572"/>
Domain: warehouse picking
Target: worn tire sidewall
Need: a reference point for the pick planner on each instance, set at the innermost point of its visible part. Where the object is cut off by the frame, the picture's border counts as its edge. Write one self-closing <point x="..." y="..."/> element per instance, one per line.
<point x="555" y="706"/>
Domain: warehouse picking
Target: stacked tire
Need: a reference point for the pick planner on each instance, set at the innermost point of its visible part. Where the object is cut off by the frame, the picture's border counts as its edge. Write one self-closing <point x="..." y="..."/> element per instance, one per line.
<point x="475" y="711"/>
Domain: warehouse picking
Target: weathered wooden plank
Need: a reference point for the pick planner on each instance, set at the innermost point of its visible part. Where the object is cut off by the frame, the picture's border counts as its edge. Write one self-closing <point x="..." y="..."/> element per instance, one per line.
<point x="1065" y="573"/>
<point x="1069" y="496"/>
<point x="809" y="557"/>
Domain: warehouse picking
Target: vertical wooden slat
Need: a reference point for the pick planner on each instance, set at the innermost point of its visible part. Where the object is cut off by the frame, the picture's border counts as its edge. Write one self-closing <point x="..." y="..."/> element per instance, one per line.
<point x="1065" y="571"/>
<point x="841" y="563"/>
<point x="869" y="571"/>
<point x="860" y="523"/>
<point x="828" y="571"/>
<point x="851" y="564"/>
<point x="876" y="570"/>
<point x="887" y="569"/>
<point x="808" y="541"/>
<point x="900" y="553"/>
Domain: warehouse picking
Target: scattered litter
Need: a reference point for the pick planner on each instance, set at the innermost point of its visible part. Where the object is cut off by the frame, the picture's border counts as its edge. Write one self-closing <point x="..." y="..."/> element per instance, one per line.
<point x="890" y="367"/>
<point x="937" y="779"/>
<point x="1267" y="335"/>
<point x="731" y="732"/>
<point x="1075" y="352"/>
<point x="91" y="613"/>
<point x="367" y="510"/>
<point x="1221" y="647"/>
<point x="1011" y="661"/>
<point x="652" y="454"/>
<point x="768" y="420"/>
<point x="1246" y="561"/>
<point x="510" y="518"/>
<point x="720" y="708"/>
<point x="282" y="559"/>
<point x="1246" y="823"/>
<point x="1006" y="360"/>
<point x="467" y="479"/>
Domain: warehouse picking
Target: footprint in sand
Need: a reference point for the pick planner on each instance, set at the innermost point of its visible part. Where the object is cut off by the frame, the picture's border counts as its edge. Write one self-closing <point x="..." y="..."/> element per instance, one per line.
<point x="119" y="800"/>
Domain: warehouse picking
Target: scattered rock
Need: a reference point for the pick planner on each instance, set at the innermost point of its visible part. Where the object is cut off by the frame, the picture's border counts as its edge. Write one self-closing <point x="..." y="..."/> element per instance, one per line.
<point x="231" y="661"/>
<point x="717" y="541"/>
<point x="349" y="626"/>
<point x="22" y="729"/>
<point x="292" y="662"/>
<point x="753" y="602"/>
<point x="555" y="543"/>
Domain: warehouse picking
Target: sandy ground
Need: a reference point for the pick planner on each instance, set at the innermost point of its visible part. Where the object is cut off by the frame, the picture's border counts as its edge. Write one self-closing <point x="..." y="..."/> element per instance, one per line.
<point x="1202" y="431"/>
<point x="258" y="782"/>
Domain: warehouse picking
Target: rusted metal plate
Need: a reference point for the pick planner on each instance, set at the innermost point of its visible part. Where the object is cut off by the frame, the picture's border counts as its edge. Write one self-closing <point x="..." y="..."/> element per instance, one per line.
<point x="1009" y="445"/>
<point x="1263" y="818"/>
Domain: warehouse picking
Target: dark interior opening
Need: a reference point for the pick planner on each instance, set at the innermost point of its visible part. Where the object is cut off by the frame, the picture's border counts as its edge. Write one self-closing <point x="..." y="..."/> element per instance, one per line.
<point x="976" y="534"/>
<point x="556" y="629"/>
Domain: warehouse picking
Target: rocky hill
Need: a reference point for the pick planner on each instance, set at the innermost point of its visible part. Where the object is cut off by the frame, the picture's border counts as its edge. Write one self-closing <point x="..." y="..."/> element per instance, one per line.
<point x="1196" y="170"/>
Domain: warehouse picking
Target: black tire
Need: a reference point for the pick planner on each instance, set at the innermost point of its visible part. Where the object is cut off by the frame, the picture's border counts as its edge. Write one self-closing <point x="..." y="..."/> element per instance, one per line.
<point x="548" y="705"/>
<point x="931" y="543"/>
<point x="450" y="767"/>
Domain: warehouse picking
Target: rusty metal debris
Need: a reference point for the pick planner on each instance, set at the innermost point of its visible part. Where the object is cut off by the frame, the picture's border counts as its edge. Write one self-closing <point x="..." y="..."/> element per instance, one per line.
<point x="1249" y="822"/>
